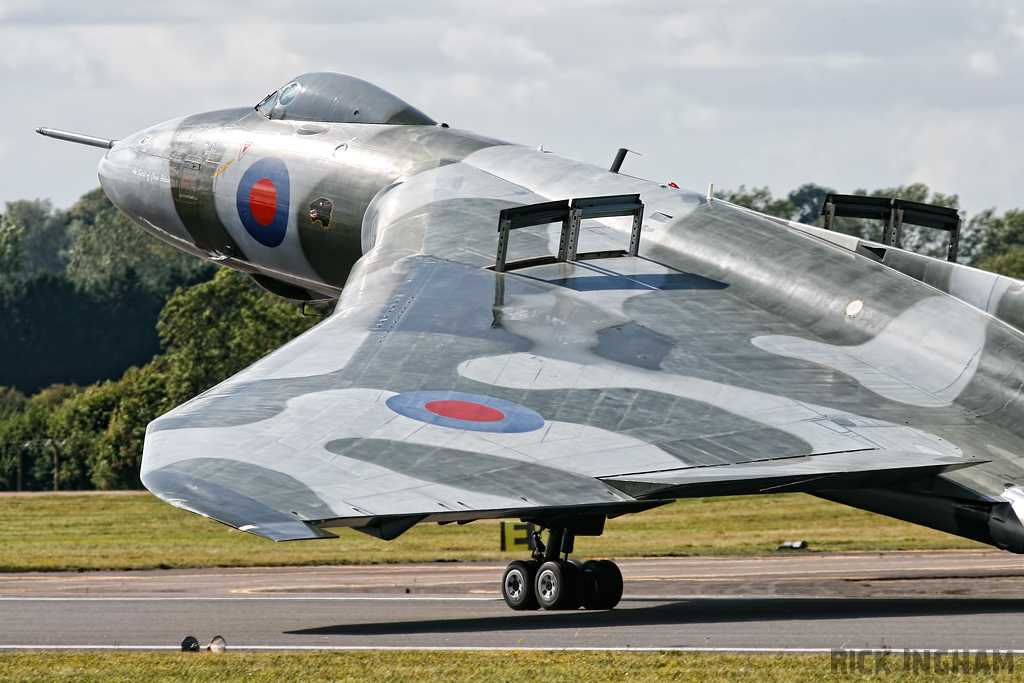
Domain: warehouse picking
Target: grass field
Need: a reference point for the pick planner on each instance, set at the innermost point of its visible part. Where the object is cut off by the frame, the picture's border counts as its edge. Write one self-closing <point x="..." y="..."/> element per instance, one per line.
<point x="137" y="531"/>
<point x="449" y="667"/>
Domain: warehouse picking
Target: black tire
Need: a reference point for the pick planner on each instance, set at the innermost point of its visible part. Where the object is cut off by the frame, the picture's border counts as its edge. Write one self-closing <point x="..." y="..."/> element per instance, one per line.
<point x="590" y="585"/>
<point x="602" y="583"/>
<point x="518" y="585"/>
<point x="558" y="585"/>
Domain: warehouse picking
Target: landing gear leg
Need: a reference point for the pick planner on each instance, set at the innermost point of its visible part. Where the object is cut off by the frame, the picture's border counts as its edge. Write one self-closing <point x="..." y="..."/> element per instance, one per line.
<point x="558" y="580"/>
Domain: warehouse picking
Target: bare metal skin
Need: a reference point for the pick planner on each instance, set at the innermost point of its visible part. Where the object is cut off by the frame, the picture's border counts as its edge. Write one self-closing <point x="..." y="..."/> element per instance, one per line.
<point x="734" y="354"/>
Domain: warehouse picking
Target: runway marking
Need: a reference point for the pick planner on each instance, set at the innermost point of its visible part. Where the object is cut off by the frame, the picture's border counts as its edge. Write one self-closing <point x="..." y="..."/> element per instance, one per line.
<point x="404" y="598"/>
<point x="705" y="577"/>
<point x="370" y="569"/>
<point x="324" y="586"/>
<point x="442" y="648"/>
<point x="354" y="598"/>
<point x="5" y="598"/>
<point x="853" y="559"/>
<point x="384" y="573"/>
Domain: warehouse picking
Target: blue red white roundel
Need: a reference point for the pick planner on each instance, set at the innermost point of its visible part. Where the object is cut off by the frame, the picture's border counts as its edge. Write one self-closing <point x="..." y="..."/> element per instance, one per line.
<point x="466" y="411"/>
<point x="262" y="201"/>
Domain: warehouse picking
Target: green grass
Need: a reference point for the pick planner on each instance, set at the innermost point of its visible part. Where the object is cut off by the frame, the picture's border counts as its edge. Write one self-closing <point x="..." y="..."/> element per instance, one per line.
<point x="426" y="667"/>
<point x="69" y="532"/>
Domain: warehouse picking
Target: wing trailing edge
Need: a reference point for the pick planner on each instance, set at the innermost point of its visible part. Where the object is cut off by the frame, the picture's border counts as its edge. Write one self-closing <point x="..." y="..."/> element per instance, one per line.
<point x="825" y="472"/>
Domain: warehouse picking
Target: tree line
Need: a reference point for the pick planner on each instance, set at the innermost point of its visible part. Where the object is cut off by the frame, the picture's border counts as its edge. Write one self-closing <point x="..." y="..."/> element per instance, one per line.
<point x="103" y="327"/>
<point x="988" y="240"/>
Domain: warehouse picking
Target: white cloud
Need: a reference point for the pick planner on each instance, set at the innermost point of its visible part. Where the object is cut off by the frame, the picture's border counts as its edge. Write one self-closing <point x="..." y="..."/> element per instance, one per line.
<point x="534" y="9"/>
<point x="984" y="63"/>
<point x="145" y="57"/>
<point x="743" y="91"/>
<point x="679" y="28"/>
<point x="695" y="116"/>
<point x="482" y="49"/>
<point x="953" y="152"/>
<point x="1015" y="22"/>
<point x="756" y="36"/>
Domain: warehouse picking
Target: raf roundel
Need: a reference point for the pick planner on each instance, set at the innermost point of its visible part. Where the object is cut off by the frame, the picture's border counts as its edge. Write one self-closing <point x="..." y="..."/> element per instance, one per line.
<point x="472" y="412"/>
<point x="262" y="201"/>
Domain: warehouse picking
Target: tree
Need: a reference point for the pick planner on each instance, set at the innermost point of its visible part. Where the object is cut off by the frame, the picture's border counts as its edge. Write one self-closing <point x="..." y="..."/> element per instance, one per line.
<point x="76" y="425"/>
<point x="45" y="235"/>
<point x="759" y="199"/>
<point x="11" y="402"/>
<point x="116" y="460"/>
<point x="218" y="328"/>
<point x="210" y="332"/>
<point x="113" y="250"/>
<point x="11" y="258"/>
<point x="808" y="200"/>
<point x="88" y="269"/>
<point x="101" y="429"/>
<point x="30" y="431"/>
<point x="995" y="235"/>
<point x="802" y="204"/>
<point x="52" y="332"/>
<point x="1009" y="263"/>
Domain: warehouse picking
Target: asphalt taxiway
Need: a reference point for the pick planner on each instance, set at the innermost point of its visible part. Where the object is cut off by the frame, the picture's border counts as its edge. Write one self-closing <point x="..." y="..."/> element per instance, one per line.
<point x="807" y="601"/>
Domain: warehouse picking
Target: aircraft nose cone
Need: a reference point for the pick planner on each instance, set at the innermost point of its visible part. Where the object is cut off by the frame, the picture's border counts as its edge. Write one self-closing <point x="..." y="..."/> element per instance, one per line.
<point x="114" y="163"/>
<point x="118" y="173"/>
<point x="135" y="173"/>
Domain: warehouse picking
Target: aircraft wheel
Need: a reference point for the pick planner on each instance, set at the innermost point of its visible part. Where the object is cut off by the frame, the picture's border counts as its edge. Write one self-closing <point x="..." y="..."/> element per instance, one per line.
<point x="518" y="585"/>
<point x="558" y="585"/>
<point x="602" y="584"/>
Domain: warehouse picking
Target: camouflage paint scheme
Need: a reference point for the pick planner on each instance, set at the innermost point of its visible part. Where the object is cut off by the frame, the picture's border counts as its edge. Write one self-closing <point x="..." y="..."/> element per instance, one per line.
<point x="736" y="354"/>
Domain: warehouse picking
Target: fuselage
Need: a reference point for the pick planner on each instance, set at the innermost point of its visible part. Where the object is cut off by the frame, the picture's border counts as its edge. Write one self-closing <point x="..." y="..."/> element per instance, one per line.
<point x="277" y="199"/>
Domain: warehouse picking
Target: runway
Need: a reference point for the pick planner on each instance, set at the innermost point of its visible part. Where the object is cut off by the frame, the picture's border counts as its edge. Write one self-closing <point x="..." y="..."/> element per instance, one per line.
<point x="809" y="601"/>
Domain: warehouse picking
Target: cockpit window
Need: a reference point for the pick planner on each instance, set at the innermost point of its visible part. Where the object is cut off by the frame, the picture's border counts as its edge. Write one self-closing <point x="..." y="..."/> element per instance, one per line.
<point x="335" y="98"/>
<point x="288" y="94"/>
<point x="266" y="104"/>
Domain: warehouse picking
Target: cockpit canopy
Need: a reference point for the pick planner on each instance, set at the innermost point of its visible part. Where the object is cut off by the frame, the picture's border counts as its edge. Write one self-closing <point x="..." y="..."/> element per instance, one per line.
<point x="337" y="98"/>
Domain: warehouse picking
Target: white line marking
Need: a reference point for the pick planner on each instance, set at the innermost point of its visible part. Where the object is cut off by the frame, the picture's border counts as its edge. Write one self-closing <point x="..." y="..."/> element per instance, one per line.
<point x="404" y="598"/>
<point x="362" y="648"/>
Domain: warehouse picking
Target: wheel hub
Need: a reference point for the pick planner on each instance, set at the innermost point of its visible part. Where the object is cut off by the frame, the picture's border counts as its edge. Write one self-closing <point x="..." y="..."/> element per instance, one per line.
<point x="546" y="585"/>
<point x="514" y="584"/>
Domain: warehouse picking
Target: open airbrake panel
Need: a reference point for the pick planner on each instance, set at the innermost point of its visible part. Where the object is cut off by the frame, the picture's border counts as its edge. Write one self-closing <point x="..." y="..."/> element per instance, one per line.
<point x="570" y="213"/>
<point x="895" y="213"/>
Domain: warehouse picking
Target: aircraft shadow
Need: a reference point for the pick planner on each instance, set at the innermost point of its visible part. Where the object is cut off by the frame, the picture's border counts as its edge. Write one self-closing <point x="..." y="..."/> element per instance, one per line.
<point x="689" y="611"/>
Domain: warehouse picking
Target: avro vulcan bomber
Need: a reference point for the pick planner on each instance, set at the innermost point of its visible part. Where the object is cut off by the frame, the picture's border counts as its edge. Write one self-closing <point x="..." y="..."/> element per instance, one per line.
<point x="519" y="335"/>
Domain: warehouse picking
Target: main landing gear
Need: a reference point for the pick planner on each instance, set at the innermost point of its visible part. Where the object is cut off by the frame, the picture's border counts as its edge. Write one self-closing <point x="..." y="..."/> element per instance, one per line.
<point x="554" y="582"/>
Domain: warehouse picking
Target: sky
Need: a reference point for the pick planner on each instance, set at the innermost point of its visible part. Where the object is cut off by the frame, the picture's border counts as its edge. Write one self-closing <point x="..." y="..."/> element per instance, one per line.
<point x="847" y="93"/>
